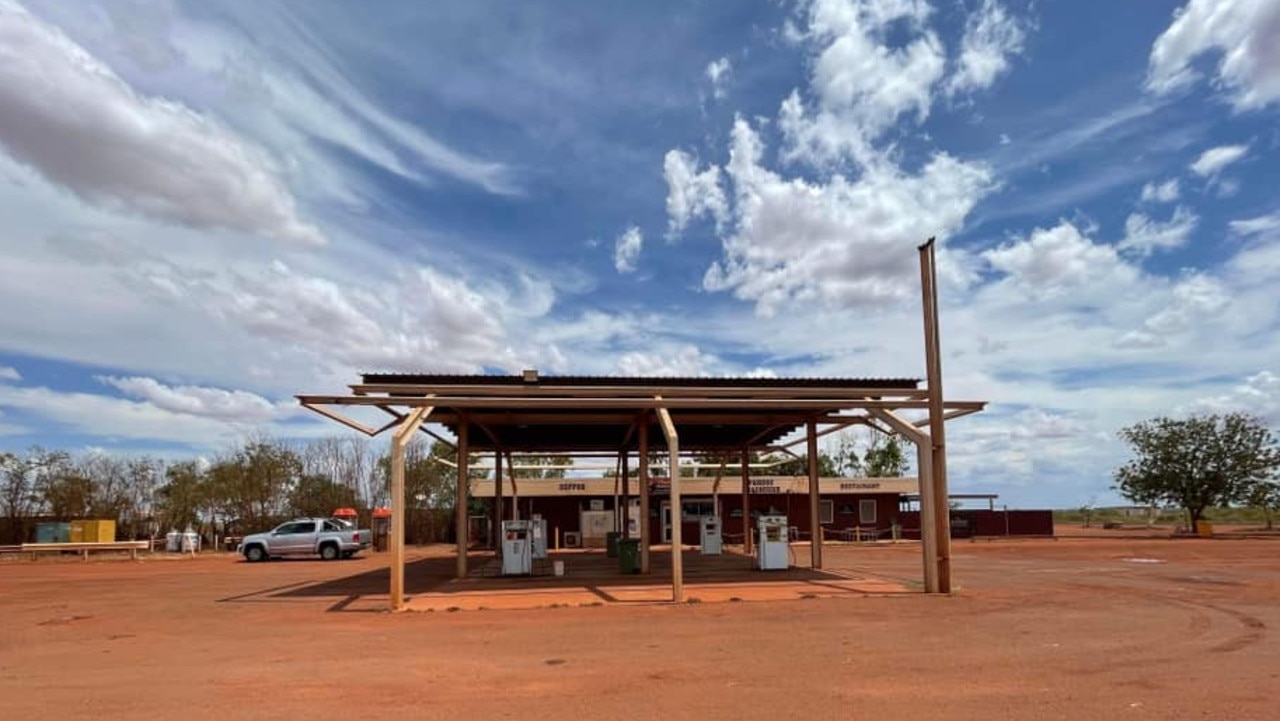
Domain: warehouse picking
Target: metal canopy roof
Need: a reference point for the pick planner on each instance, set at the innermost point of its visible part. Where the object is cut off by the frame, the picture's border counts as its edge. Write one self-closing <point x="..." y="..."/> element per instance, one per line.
<point x="531" y="413"/>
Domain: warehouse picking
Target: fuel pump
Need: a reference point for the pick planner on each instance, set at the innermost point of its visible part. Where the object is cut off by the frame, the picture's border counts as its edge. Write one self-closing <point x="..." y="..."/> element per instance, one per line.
<point x="773" y="550"/>
<point x="711" y="543"/>
<point x="517" y="548"/>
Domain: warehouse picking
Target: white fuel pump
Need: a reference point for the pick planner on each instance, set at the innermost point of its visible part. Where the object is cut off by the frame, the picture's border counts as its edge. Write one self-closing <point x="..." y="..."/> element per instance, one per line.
<point x="517" y="548"/>
<point x="711" y="542"/>
<point x="773" y="550"/>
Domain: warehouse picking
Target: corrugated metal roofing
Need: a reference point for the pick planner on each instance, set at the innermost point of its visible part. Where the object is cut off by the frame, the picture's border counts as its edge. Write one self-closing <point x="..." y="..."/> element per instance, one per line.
<point x="641" y="381"/>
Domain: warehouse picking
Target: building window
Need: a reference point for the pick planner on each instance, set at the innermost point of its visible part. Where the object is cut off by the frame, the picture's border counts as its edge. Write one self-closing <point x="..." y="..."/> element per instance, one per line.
<point x="826" y="511"/>
<point x="867" y="511"/>
<point x="692" y="510"/>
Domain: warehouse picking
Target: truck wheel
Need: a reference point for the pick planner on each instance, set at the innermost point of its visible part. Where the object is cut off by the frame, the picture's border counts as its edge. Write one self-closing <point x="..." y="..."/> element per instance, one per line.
<point x="253" y="554"/>
<point x="329" y="552"/>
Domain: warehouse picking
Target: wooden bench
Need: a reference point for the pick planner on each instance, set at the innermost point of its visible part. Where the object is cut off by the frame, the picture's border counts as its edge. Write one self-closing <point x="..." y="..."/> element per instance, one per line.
<point x="35" y="549"/>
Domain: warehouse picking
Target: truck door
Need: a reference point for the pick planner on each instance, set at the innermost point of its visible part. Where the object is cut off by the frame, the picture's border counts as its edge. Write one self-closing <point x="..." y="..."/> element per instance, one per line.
<point x="296" y="537"/>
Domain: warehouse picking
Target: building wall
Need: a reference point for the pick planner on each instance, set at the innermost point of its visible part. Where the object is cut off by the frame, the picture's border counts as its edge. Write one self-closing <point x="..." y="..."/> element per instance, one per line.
<point x="987" y="523"/>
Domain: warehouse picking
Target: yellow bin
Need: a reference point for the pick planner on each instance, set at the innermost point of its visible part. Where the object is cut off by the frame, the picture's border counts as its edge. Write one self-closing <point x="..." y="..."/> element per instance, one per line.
<point x="1204" y="528"/>
<point x="93" y="531"/>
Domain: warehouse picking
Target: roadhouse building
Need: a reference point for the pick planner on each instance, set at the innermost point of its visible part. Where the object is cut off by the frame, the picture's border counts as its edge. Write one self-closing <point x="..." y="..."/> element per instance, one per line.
<point x="580" y="511"/>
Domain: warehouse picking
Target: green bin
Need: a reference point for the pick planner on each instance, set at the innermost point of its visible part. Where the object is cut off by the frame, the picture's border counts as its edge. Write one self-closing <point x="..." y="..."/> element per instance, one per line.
<point x="629" y="555"/>
<point x="611" y="543"/>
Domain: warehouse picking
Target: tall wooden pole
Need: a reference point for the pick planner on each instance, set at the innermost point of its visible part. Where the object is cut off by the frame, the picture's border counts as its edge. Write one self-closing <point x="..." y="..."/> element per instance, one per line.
<point x="677" y="514"/>
<point x="746" y="501"/>
<point x="928" y="515"/>
<point x="937" y="426"/>
<point x="646" y="530"/>
<point x="815" y="505"/>
<point x="399" y="439"/>
<point x="460" y="513"/>
<point x="626" y="494"/>
<point x="497" y="503"/>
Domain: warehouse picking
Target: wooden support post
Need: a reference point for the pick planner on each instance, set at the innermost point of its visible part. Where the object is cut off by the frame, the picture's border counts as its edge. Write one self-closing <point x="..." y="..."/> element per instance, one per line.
<point x="937" y="424"/>
<point x="626" y="494"/>
<point x="496" y="533"/>
<point x="677" y="516"/>
<point x="460" y="512"/>
<point x="399" y="439"/>
<point x="646" y="527"/>
<point x="746" y="501"/>
<point x="928" y="516"/>
<point x="815" y="505"/>
<point x="924" y="478"/>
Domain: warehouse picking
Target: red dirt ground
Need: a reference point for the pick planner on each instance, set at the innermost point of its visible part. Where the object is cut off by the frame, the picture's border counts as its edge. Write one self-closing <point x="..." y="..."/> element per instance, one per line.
<point x="1130" y="628"/>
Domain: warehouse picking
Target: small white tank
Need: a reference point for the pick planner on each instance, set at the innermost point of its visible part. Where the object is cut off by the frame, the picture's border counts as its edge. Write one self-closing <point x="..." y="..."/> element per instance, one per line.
<point x="173" y="541"/>
<point x="190" y="541"/>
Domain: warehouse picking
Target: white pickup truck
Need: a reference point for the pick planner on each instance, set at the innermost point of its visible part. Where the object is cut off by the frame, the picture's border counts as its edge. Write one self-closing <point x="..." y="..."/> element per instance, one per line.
<point x="328" y="538"/>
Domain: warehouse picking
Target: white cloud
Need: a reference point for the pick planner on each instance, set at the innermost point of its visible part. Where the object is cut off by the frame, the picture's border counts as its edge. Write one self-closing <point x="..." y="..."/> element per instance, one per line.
<point x="1165" y="192"/>
<point x="690" y="194"/>
<point x="117" y="418"/>
<point x="1145" y="236"/>
<point x="216" y="403"/>
<point x="718" y="73"/>
<point x="1258" y="395"/>
<point x="627" y="250"/>
<point x="1052" y="261"/>
<point x="1256" y="226"/>
<point x="1193" y="300"/>
<point x="1244" y="35"/>
<point x="991" y="36"/>
<point x="9" y="374"/>
<point x="861" y="82"/>
<point x="1213" y="160"/>
<point x="839" y="243"/>
<point x="682" y="361"/>
<point x="68" y="115"/>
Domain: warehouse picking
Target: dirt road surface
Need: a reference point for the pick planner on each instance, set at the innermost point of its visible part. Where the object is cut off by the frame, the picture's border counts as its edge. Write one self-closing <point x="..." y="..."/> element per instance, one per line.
<point x="1041" y="629"/>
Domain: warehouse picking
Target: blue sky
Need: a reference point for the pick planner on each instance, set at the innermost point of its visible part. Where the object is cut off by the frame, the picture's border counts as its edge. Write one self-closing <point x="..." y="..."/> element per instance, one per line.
<point x="210" y="206"/>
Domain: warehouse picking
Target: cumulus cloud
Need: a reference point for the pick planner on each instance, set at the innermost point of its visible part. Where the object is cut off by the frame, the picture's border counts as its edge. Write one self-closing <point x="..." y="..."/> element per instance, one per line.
<point x="1213" y="160"/>
<point x="840" y="243"/>
<point x="427" y="320"/>
<point x="1165" y="192"/>
<point x="9" y="374"/>
<point x="626" y="250"/>
<point x="718" y="73"/>
<point x="1050" y="262"/>
<point x="691" y="194"/>
<point x="66" y="114"/>
<point x="862" y="84"/>
<point x="1145" y="236"/>
<point x="991" y="36"/>
<point x="1243" y="35"/>
<point x="684" y="361"/>
<point x="234" y="405"/>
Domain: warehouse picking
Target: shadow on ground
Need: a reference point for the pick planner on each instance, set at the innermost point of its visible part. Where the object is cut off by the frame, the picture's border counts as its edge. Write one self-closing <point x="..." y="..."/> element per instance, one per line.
<point x="591" y="571"/>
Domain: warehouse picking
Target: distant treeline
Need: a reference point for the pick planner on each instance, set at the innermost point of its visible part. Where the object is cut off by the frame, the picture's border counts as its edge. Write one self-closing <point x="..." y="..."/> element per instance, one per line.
<point x="248" y="487"/>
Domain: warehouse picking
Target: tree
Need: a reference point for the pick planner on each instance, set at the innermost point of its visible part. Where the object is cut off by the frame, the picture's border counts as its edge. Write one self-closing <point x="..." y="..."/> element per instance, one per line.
<point x="251" y="484"/>
<point x="544" y="464"/>
<point x="1198" y="462"/>
<point x="885" y="459"/>
<point x="184" y="494"/>
<point x="800" y="466"/>
<point x="317" y="495"/>
<point x="1265" y="495"/>
<point x="18" y="497"/>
